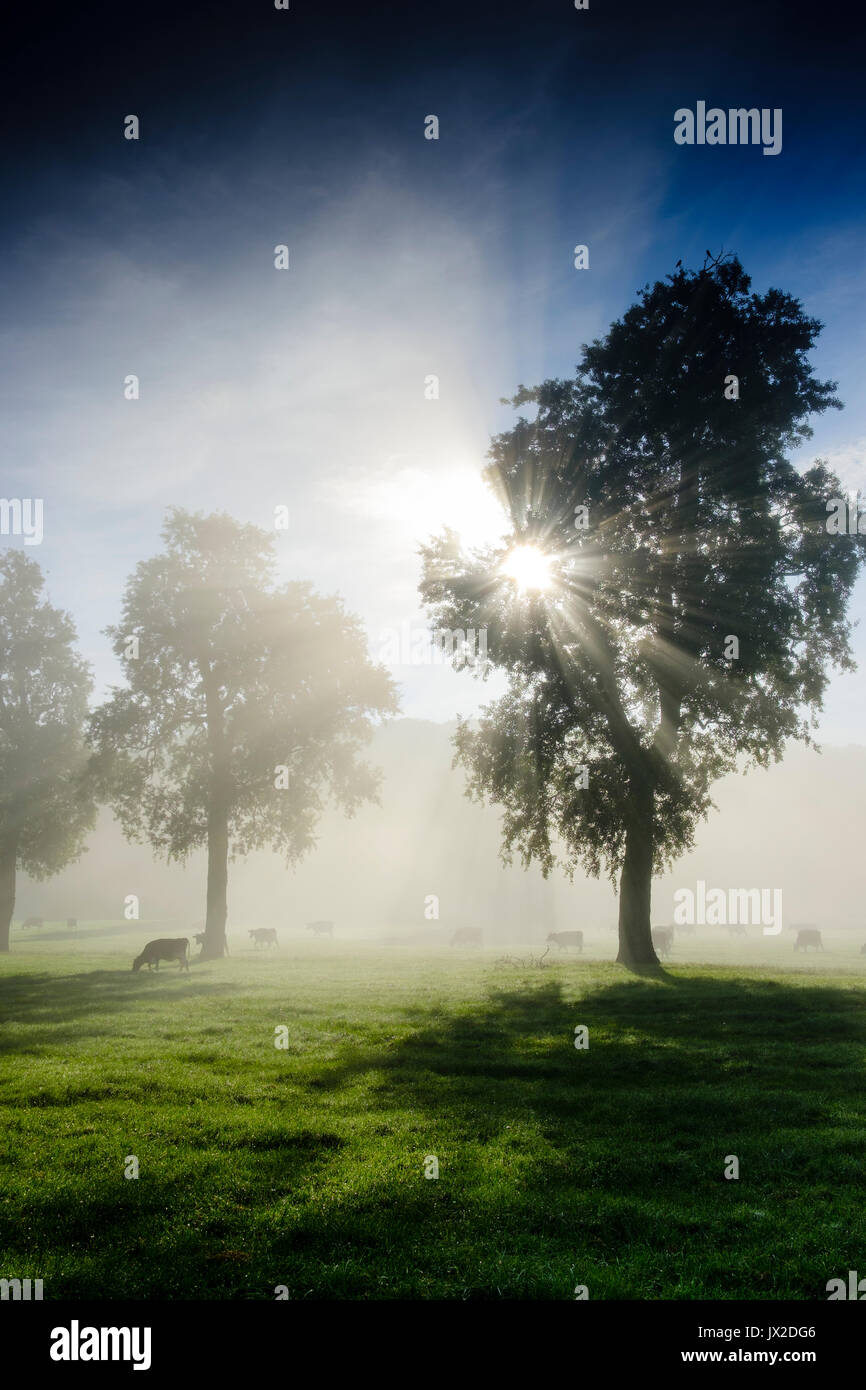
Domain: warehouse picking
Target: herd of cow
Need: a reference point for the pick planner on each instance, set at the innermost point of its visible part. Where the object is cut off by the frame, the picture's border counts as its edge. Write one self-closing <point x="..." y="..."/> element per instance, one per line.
<point x="663" y="938"/>
<point x="177" y="948"/>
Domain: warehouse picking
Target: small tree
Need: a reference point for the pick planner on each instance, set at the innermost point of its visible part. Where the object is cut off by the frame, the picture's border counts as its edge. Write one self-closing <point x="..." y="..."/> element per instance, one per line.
<point x="45" y="809"/>
<point x="244" y="709"/>
<point x="678" y="599"/>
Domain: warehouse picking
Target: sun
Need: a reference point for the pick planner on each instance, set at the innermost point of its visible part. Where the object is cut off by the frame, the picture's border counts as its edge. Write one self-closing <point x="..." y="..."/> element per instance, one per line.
<point x="529" y="567"/>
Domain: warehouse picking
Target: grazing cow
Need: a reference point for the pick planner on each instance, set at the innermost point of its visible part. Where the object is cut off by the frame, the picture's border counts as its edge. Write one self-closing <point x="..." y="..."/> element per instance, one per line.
<point x="806" y="937"/>
<point x="736" y="929"/>
<point x="321" y="928"/>
<point x="166" y="948"/>
<point x="566" y="939"/>
<point x="33" y="922"/>
<point x="468" y="936"/>
<point x="71" y="922"/>
<point x="663" y="940"/>
<point x="264" y="936"/>
<point x="199" y="937"/>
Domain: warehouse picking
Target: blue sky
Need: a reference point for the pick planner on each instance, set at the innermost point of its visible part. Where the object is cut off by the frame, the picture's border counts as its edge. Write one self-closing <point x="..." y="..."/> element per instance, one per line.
<point x="407" y="257"/>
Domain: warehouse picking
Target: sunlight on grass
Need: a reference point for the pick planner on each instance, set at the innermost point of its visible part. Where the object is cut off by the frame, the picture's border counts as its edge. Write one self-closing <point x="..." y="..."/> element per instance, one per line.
<point x="305" y="1167"/>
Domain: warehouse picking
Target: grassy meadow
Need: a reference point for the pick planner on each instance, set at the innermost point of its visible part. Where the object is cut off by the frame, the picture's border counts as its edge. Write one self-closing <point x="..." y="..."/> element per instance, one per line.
<point x="304" y="1166"/>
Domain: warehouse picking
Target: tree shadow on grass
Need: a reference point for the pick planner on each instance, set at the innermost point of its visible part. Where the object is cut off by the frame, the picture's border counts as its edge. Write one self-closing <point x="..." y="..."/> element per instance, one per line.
<point x="603" y="1166"/>
<point x="627" y="1143"/>
<point x="155" y="1238"/>
<point x="56" y="999"/>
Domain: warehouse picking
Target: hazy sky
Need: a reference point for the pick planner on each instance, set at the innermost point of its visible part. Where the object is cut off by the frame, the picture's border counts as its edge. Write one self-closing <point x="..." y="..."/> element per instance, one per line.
<point x="408" y="257"/>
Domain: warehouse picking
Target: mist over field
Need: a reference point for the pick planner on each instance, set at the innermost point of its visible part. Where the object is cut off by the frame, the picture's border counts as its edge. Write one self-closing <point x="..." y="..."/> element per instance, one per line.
<point x="795" y="826"/>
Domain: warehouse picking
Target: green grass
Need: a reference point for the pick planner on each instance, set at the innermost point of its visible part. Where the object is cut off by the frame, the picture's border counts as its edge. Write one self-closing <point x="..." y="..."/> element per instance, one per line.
<point x="305" y="1167"/>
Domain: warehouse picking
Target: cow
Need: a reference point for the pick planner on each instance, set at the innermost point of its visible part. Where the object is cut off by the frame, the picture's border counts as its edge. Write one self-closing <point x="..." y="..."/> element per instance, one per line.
<point x="264" y="936"/>
<point x="663" y="940"/>
<point x="468" y="936"/>
<point x="33" y="922"/>
<point x="166" y="948"/>
<point x="321" y="928"/>
<point x="736" y="929"/>
<point x="566" y="939"/>
<point x="72" y="923"/>
<point x="806" y="937"/>
<point x="199" y="937"/>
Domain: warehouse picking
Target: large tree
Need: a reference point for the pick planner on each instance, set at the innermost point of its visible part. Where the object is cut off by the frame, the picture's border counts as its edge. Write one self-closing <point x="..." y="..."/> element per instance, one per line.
<point x="653" y="516"/>
<point x="45" y="808"/>
<point x="245" y="706"/>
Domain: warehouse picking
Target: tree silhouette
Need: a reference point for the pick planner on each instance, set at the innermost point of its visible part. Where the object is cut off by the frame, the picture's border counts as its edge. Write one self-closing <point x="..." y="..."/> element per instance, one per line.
<point x="244" y="709"/>
<point x="658" y="488"/>
<point x="45" y="808"/>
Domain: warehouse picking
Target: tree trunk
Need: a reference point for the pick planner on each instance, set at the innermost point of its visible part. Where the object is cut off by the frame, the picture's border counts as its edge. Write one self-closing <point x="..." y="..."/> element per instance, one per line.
<point x="635" y="889"/>
<point x="219" y="800"/>
<point x="214" y="947"/>
<point x="8" y="856"/>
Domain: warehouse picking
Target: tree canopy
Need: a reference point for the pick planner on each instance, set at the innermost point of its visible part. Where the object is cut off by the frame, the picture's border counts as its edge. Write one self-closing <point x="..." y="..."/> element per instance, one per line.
<point x="245" y="706"/>
<point x="657" y="485"/>
<point x="45" y="807"/>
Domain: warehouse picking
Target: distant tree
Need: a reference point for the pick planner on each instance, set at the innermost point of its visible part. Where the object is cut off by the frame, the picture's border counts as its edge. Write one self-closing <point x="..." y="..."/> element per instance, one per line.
<point x="45" y="808"/>
<point x="244" y="708"/>
<point x="655" y="492"/>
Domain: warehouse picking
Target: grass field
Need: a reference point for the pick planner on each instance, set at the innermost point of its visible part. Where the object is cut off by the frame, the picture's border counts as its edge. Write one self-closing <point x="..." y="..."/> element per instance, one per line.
<point x="304" y="1166"/>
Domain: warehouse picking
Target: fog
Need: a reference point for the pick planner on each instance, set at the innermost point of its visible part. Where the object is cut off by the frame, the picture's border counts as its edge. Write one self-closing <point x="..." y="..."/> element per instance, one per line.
<point x="796" y="826"/>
